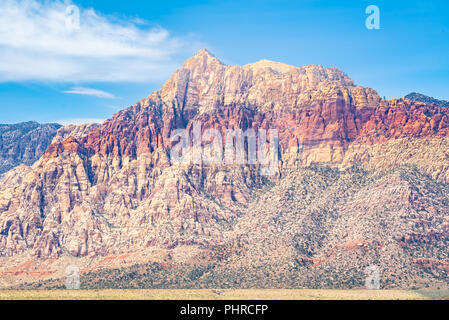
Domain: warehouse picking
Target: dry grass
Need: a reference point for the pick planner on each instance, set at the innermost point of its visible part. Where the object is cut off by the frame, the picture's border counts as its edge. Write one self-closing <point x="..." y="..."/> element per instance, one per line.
<point x="212" y="295"/>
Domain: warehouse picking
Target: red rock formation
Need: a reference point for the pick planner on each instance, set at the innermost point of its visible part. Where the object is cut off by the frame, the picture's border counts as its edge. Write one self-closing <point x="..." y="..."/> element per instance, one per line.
<point x="116" y="190"/>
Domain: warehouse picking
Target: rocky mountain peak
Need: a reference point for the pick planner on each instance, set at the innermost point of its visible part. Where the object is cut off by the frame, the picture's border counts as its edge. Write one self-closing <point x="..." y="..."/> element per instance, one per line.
<point x="201" y="60"/>
<point x="204" y="82"/>
<point x="276" y="66"/>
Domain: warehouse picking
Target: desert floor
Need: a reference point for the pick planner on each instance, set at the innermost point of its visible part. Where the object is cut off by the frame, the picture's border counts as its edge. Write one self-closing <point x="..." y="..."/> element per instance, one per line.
<point x="221" y="294"/>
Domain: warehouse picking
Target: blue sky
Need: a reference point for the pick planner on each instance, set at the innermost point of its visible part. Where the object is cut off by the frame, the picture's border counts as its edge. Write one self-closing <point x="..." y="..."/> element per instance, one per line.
<point x="124" y="50"/>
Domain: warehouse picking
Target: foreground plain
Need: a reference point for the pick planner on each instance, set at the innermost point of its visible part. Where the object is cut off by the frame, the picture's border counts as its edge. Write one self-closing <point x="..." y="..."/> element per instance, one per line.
<point x="275" y="294"/>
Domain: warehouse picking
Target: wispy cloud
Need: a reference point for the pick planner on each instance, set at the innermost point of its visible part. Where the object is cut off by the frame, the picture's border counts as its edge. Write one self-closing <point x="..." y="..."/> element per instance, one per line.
<point x="91" y="92"/>
<point x="37" y="43"/>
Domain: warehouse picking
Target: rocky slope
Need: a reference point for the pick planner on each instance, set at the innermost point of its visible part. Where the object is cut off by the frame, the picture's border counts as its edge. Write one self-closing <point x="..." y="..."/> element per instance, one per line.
<point x="115" y="197"/>
<point x="24" y="143"/>
<point x="426" y="99"/>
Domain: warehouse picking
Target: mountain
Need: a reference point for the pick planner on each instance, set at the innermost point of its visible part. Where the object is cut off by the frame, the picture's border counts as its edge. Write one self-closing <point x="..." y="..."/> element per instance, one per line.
<point x="24" y="143"/>
<point x="356" y="180"/>
<point x="426" y="99"/>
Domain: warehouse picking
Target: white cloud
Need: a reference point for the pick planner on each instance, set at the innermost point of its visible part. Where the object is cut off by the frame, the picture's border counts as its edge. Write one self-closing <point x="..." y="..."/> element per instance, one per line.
<point x="39" y="41"/>
<point x="91" y="92"/>
<point x="65" y="122"/>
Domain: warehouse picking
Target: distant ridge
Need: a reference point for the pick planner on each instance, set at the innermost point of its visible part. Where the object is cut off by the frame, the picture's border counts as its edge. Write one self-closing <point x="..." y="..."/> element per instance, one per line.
<point x="24" y="143"/>
<point x="426" y="99"/>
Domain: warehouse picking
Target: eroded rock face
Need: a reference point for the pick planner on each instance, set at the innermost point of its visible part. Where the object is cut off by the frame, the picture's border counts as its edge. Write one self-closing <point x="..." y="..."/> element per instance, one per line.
<point x="116" y="189"/>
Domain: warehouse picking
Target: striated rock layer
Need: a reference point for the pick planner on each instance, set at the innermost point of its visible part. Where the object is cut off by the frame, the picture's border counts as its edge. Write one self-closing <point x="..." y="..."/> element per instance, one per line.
<point x="116" y="190"/>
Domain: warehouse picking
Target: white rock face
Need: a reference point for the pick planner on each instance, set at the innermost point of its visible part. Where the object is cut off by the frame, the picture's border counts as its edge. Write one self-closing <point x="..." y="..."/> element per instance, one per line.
<point x="204" y="83"/>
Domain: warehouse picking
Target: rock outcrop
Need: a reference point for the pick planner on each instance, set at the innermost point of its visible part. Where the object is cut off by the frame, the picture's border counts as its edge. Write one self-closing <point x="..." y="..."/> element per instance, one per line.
<point x="74" y="130"/>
